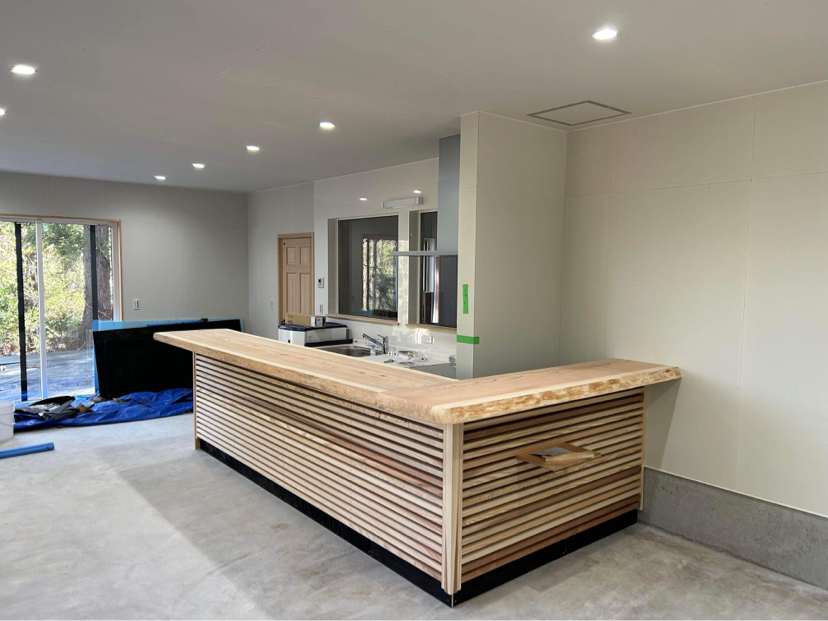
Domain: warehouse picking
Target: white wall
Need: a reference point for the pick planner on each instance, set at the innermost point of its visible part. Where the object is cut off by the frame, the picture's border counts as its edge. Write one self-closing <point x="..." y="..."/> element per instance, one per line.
<point x="308" y="207"/>
<point x="512" y="178"/>
<point x="699" y="238"/>
<point x="272" y="213"/>
<point x="339" y="198"/>
<point x="184" y="252"/>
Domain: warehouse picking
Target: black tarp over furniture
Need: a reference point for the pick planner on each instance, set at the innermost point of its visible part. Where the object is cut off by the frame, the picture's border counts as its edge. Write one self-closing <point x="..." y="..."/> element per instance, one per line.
<point x="131" y="360"/>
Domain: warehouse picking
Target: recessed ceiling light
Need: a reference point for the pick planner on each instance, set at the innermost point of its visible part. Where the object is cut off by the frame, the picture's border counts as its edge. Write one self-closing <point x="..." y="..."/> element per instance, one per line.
<point x="161" y="177"/>
<point x="198" y="165"/>
<point x="252" y="148"/>
<point x="2" y="111"/>
<point x="326" y="125"/>
<point x="23" y="69"/>
<point x="417" y="192"/>
<point x="605" y="34"/>
<point x="363" y="199"/>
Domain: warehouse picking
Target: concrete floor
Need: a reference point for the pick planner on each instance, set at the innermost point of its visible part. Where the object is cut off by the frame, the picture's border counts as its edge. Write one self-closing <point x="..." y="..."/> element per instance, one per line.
<point x="127" y="521"/>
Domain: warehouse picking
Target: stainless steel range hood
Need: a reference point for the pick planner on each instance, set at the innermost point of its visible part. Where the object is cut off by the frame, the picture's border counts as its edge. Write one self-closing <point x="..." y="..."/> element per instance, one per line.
<point x="448" y="202"/>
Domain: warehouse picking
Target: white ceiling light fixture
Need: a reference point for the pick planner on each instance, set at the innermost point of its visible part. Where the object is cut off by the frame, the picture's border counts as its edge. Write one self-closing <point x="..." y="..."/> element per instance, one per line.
<point x="2" y="111"/>
<point x="363" y="199"/>
<point x="199" y="166"/>
<point x="417" y="192"/>
<point x="161" y="177"/>
<point x="605" y="34"/>
<point x="252" y="148"/>
<point x="23" y="70"/>
<point x="327" y="125"/>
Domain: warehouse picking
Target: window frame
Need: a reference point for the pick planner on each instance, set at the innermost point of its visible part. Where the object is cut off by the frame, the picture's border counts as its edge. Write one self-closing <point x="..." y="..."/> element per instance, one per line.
<point x="335" y="267"/>
<point x="416" y="276"/>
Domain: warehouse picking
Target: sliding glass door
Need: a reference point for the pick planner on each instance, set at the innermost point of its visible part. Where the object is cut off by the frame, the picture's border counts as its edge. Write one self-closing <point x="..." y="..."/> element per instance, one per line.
<point x="59" y="279"/>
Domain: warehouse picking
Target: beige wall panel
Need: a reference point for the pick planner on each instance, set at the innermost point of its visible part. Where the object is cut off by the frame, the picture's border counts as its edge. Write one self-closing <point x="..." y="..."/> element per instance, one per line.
<point x="521" y="157"/>
<point x="469" y="128"/>
<point x="152" y="257"/>
<point x="518" y="281"/>
<point x="24" y="194"/>
<point x="584" y="302"/>
<point x="79" y="198"/>
<point x="164" y="205"/>
<point x="783" y="450"/>
<point x="466" y="274"/>
<point x="792" y="131"/>
<point x="184" y="251"/>
<point x="272" y="213"/>
<point x="589" y="161"/>
<point x="214" y="261"/>
<point x="283" y="210"/>
<point x="707" y="144"/>
<point x="676" y="269"/>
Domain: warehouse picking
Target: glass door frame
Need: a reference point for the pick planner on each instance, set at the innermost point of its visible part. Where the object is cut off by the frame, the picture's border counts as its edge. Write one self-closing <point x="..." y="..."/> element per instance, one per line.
<point x="117" y="290"/>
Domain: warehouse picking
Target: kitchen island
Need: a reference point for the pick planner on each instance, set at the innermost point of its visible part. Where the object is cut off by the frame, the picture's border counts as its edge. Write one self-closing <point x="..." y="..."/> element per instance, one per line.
<point x="456" y="485"/>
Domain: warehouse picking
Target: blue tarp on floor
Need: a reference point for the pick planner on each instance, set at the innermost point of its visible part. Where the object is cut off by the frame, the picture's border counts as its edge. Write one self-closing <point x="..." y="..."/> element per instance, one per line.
<point x="134" y="407"/>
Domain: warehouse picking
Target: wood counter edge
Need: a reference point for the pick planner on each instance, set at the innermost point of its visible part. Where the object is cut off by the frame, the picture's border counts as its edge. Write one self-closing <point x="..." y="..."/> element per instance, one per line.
<point x="404" y="403"/>
<point x="414" y="403"/>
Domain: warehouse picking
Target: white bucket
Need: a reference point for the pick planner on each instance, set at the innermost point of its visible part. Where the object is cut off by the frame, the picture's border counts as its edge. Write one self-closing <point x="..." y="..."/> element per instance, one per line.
<point x="6" y="420"/>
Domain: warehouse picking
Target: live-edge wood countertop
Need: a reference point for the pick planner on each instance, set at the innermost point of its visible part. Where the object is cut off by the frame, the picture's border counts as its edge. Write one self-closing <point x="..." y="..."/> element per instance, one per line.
<point x="413" y="394"/>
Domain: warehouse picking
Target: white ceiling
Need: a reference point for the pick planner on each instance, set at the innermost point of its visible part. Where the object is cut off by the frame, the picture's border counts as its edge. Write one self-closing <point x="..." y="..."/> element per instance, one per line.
<point x="127" y="89"/>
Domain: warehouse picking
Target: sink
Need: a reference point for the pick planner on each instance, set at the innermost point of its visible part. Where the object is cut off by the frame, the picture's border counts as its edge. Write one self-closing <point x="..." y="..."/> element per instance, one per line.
<point x="355" y="351"/>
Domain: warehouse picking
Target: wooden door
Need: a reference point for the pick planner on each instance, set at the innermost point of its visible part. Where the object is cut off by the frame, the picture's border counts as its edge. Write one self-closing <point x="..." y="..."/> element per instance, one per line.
<point x="296" y="275"/>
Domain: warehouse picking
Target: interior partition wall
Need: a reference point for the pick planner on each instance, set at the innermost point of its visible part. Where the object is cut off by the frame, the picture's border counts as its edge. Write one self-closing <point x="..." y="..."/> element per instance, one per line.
<point x="60" y="276"/>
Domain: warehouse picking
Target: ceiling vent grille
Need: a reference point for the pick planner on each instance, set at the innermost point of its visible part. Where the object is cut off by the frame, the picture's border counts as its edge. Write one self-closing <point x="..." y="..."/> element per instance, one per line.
<point x="579" y="113"/>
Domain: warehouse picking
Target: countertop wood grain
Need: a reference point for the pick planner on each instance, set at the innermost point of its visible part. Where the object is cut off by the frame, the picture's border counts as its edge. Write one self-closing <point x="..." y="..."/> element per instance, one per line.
<point x="414" y="394"/>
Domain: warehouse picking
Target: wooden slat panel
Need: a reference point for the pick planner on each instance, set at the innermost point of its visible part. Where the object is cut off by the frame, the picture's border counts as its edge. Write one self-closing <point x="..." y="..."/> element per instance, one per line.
<point x="512" y="508"/>
<point x="378" y="474"/>
<point x="241" y="385"/>
<point x="401" y="425"/>
<point x="527" y="546"/>
<point x="397" y="506"/>
<point x="486" y="427"/>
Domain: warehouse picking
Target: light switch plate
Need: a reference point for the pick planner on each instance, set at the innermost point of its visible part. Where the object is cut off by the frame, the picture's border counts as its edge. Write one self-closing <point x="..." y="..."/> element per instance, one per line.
<point x="320" y="282"/>
<point x="136" y="304"/>
<point x="271" y="303"/>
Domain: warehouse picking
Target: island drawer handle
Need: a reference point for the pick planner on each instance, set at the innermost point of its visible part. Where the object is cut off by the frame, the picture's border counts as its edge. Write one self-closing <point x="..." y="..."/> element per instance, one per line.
<point x="559" y="456"/>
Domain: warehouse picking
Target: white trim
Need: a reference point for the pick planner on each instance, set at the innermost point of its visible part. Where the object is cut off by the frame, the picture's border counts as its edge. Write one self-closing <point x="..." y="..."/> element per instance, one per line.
<point x="41" y="310"/>
<point x="117" y="311"/>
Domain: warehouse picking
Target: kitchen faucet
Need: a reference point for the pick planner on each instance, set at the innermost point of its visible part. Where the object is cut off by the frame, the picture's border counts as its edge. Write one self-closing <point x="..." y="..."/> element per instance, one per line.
<point x="383" y="344"/>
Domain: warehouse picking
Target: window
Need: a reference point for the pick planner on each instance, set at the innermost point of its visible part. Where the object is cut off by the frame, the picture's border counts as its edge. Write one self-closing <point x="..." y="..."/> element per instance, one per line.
<point x="367" y="270"/>
<point x="59" y="278"/>
<point x="438" y="275"/>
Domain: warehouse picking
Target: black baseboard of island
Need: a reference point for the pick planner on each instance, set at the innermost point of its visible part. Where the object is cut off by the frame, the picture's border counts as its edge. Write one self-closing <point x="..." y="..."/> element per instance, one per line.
<point x="416" y="576"/>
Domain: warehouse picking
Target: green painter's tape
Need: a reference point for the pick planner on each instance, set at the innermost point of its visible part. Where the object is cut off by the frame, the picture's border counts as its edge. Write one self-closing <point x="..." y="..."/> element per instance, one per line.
<point x="469" y="340"/>
<point x="465" y="299"/>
